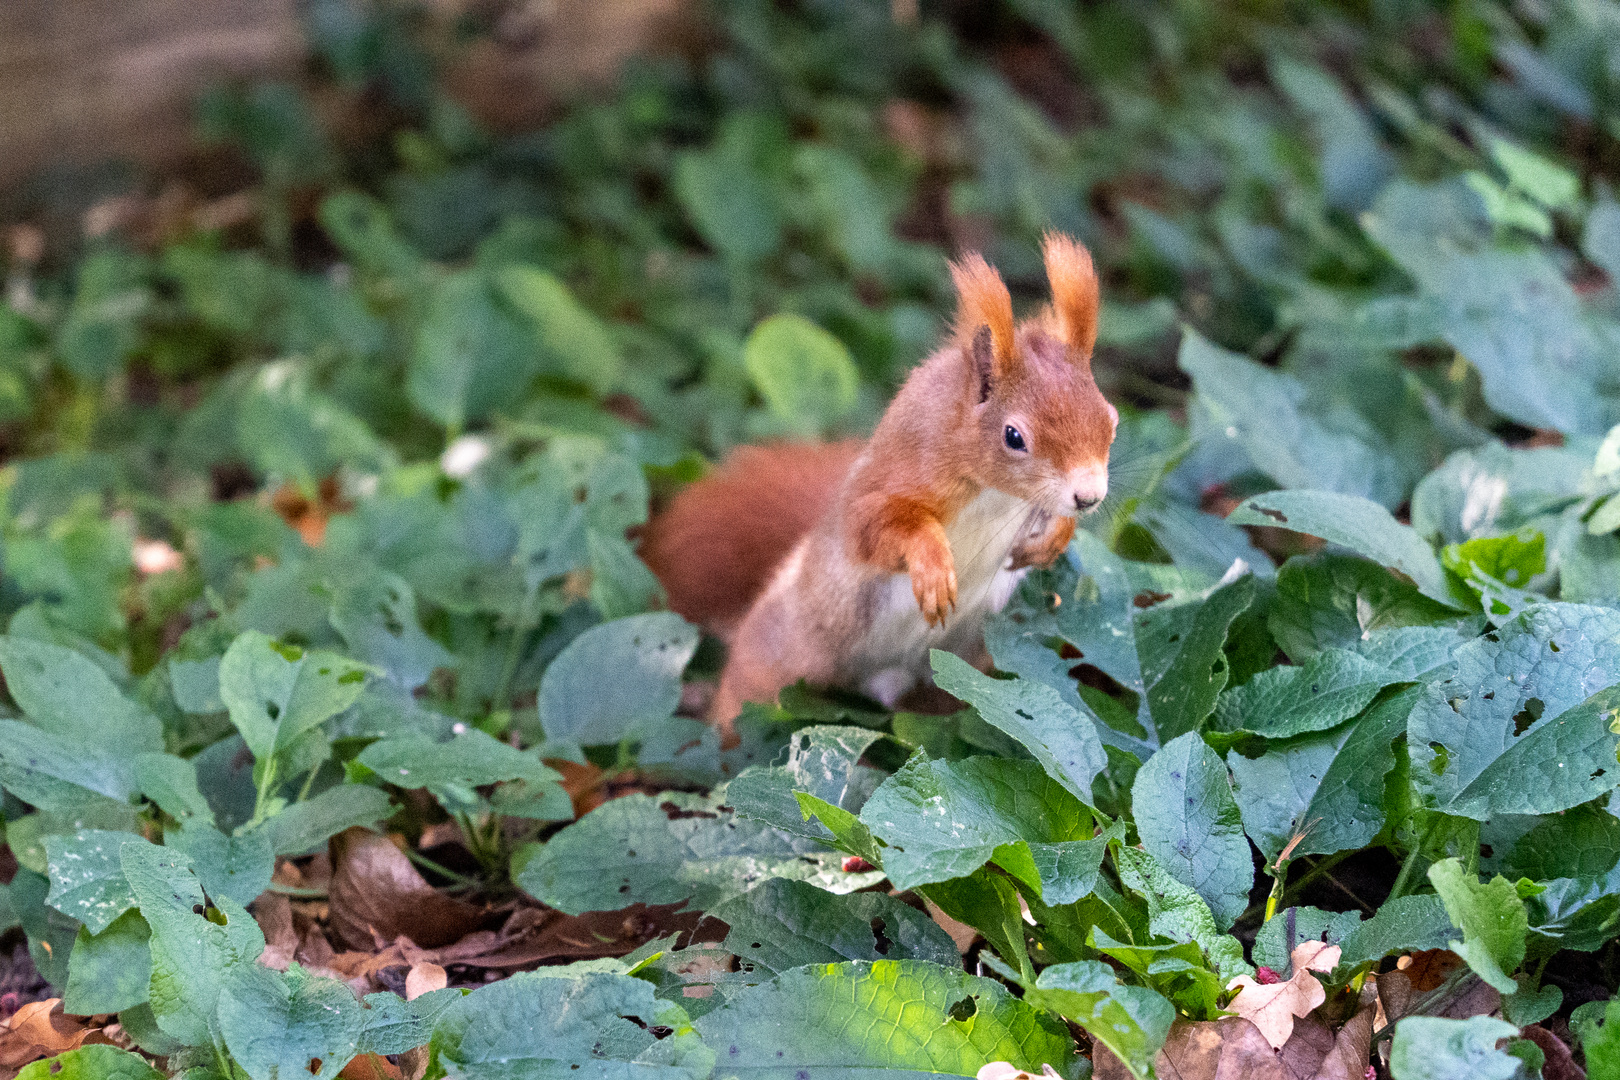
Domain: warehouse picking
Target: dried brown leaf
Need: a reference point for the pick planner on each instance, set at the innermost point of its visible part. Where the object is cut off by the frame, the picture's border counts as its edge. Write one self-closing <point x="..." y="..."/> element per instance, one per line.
<point x="1273" y="1007"/>
<point x="424" y="978"/>
<point x="376" y="895"/>
<point x="370" y="1067"/>
<point x="1560" y="1064"/>
<point x="1428" y="969"/>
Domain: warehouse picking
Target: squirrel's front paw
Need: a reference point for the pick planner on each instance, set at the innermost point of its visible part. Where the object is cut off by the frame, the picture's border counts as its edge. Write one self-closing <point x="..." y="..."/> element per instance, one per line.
<point x="933" y="582"/>
<point x="1044" y="550"/>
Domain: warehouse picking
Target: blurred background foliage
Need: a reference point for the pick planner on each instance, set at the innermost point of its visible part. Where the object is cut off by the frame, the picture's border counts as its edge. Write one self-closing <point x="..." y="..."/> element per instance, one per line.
<point x="1339" y="241"/>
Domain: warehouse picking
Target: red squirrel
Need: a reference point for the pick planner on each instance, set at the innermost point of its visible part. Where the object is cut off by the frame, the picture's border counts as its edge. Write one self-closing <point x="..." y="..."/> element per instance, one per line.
<point x="845" y="564"/>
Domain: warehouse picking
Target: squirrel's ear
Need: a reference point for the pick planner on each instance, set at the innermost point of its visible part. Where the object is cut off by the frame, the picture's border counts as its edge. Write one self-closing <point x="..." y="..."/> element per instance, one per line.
<point x="984" y="305"/>
<point x="1074" y="291"/>
<point x="983" y="362"/>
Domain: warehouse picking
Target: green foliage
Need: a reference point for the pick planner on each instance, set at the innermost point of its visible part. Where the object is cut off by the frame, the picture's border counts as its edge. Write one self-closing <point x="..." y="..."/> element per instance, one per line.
<point x="402" y="427"/>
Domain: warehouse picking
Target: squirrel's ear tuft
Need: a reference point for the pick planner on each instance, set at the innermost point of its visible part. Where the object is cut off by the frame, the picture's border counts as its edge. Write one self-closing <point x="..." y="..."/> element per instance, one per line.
<point x="1074" y="291"/>
<point x="983" y="302"/>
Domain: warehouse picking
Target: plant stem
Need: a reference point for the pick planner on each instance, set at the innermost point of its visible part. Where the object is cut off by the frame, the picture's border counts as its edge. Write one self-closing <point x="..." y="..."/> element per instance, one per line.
<point x="443" y="871"/>
<point x="1399" y="888"/>
<point x="309" y="782"/>
<point x="514" y="648"/>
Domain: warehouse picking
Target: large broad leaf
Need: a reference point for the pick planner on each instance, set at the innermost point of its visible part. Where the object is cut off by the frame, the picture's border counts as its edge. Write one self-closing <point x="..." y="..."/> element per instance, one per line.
<point x="1267" y="414"/>
<point x="1523" y="727"/>
<point x="236" y="867"/>
<point x="61" y="772"/>
<point x="666" y="849"/>
<point x="68" y="694"/>
<point x="823" y="761"/>
<point x="1319" y="694"/>
<point x="1189" y="822"/>
<point x="1063" y="740"/>
<point x="112" y="970"/>
<point x="546" y="1024"/>
<point x="471" y="356"/>
<point x="1331" y="600"/>
<point x="575" y="339"/>
<point x="944" y="820"/>
<point x="616" y="678"/>
<point x="1328" y="786"/>
<point x="452" y="770"/>
<point x="1353" y="522"/>
<point x="1493" y="489"/>
<point x="95" y="1062"/>
<point x="1180" y="648"/>
<point x="1405" y="924"/>
<point x="1435" y="1048"/>
<point x="1176" y="912"/>
<point x="376" y="614"/>
<point x="1132" y="1021"/>
<point x="1511" y="312"/>
<point x="1491" y="917"/>
<point x="191" y="953"/>
<point x="804" y="374"/>
<point x="1276" y="940"/>
<point x="87" y="876"/>
<point x="171" y="783"/>
<point x="278" y="1025"/>
<point x="297" y="828"/>
<point x="890" y="1016"/>
<point x="786" y="924"/>
<point x="277" y="693"/>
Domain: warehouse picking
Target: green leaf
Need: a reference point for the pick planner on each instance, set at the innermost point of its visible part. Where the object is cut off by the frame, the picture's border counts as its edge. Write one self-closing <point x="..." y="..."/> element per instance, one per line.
<point x="301" y="826"/>
<point x="1270" y="418"/>
<point x="548" y="1025"/>
<point x="823" y="761"/>
<point x="1132" y="1021"/>
<point x="68" y="694"/>
<point x="1177" y="970"/>
<point x="805" y="375"/>
<point x="729" y="202"/>
<point x="1579" y="843"/>
<point x="1601" y="242"/>
<point x="171" y="782"/>
<point x="1600" y="1038"/>
<point x="59" y="772"/>
<point x="394" y="1025"/>
<point x="111" y="970"/>
<point x="891" y="1015"/>
<point x="943" y="820"/>
<point x="1353" y="522"/>
<point x="236" y="867"/>
<point x="990" y="903"/>
<point x="621" y="584"/>
<point x="1434" y="1048"/>
<point x="616" y="678"/>
<point x="1491" y="917"/>
<point x="1277" y="938"/>
<point x="1328" y="785"/>
<point x="1492" y="489"/>
<point x="576" y="340"/>
<point x="1189" y="823"/>
<point x="1331" y="600"/>
<point x="786" y="924"/>
<point x="1180" y="648"/>
<point x="290" y="430"/>
<point x="1512" y="560"/>
<point x="663" y="850"/>
<point x="95" y="1062"/>
<point x="191" y="953"/>
<point x="1550" y="184"/>
<point x="452" y="770"/>
<point x="1405" y="924"/>
<point x="50" y="933"/>
<point x="277" y="1025"/>
<point x="471" y="356"/>
<point x="87" y="876"/>
<point x="1321" y="693"/>
<point x="1064" y="741"/>
<point x="376" y="615"/>
<point x="1523" y="727"/>
<point x="276" y="693"/>
<point x="1176" y="912"/>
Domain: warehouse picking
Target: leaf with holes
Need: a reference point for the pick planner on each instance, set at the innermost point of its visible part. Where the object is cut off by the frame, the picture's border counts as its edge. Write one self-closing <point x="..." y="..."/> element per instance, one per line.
<point x="905" y="1015"/>
<point x="1132" y="1021"/>
<point x="279" y="1025"/>
<point x="944" y="820"/>
<point x="278" y="693"/>
<point x="670" y="848"/>
<point x="1524" y="726"/>
<point x="786" y="924"/>
<point x="454" y="769"/>
<point x="1321" y="693"/>
<point x="822" y="761"/>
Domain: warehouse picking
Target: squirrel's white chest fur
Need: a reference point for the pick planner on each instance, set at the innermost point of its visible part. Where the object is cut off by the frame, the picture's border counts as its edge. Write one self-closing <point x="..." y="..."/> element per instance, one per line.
<point x="893" y="657"/>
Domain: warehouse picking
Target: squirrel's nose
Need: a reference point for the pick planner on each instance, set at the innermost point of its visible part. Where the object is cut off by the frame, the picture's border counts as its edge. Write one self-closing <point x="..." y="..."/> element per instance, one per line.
<point x="1087" y="486"/>
<point x="1083" y="503"/>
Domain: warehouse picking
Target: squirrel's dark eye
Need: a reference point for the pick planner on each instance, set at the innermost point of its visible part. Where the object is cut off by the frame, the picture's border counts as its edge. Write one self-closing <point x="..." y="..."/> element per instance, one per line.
<point x="1014" y="438"/>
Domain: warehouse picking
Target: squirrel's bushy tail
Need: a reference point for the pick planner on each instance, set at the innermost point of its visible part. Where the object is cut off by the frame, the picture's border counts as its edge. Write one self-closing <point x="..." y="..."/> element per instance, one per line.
<point x="717" y="542"/>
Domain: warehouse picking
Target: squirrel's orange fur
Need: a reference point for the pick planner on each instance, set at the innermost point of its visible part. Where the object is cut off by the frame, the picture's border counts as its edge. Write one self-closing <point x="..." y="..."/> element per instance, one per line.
<point x="846" y="564"/>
